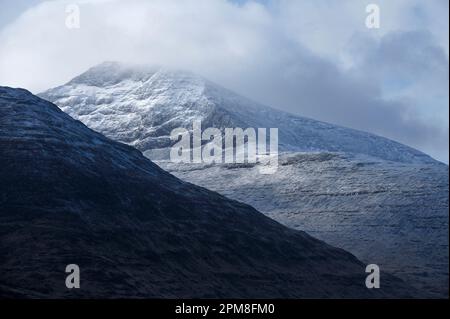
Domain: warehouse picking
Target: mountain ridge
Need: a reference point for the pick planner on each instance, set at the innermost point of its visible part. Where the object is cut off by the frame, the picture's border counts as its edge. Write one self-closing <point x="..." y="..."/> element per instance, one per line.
<point x="384" y="202"/>
<point x="130" y="104"/>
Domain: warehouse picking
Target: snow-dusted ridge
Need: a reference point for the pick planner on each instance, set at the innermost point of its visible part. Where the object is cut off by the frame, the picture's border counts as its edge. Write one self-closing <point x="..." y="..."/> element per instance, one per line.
<point x="141" y="105"/>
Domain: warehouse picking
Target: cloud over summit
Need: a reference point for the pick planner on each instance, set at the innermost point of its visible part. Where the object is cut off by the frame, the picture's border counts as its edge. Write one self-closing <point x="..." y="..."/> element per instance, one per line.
<point x="313" y="58"/>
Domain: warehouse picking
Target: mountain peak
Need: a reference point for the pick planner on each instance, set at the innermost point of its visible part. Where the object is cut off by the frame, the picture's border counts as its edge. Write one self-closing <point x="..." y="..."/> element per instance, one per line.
<point x="141" y="105"/>
<point x="111" y="73"/>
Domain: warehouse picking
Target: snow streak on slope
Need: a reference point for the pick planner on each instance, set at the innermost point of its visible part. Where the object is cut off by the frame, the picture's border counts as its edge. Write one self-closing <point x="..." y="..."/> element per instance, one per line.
<point x="140" y="106"/>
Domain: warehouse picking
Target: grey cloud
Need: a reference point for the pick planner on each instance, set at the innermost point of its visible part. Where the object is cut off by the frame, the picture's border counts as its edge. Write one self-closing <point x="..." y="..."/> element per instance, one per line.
<point x="305" y="84"/>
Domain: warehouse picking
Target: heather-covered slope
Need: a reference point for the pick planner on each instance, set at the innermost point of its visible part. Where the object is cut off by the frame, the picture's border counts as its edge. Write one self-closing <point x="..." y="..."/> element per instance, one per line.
<point x="69" y="195"/>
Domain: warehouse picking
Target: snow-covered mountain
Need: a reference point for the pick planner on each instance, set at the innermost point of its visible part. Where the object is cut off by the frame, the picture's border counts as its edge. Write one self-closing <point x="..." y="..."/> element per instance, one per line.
<point x="385" y="202"/>
<point x="70" y="195"/>
<point x="140" y="106"/>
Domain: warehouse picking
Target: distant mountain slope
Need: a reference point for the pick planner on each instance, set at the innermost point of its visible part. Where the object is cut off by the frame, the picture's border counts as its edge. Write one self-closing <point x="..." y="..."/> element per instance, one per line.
<point x="140" y="106"/>
<point x="69" y="195"/>
<point x="388" y="213"/>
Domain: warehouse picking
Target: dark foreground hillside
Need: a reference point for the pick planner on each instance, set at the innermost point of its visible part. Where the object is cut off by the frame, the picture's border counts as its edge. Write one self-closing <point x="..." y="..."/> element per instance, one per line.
<point x="69" y="195"/>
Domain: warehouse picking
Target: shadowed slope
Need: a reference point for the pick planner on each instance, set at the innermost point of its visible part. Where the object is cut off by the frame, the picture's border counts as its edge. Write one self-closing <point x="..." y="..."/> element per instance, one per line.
<point x="69" y="195"/>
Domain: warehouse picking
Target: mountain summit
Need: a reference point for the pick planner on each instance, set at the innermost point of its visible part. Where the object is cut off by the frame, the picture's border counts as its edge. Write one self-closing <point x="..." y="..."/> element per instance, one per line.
<point x="141" y="105"/>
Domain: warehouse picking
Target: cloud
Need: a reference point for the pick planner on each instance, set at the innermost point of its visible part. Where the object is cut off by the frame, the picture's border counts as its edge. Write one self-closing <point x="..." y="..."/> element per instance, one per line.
<point x="313" y="58"/>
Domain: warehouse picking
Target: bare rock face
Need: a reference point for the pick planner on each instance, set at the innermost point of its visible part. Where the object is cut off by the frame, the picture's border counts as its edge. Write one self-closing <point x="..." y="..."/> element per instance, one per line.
<point x="68" y="195"/>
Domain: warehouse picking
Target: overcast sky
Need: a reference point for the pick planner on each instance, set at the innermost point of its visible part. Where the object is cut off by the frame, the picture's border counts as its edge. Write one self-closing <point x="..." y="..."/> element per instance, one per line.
<point x="314" y="58"/>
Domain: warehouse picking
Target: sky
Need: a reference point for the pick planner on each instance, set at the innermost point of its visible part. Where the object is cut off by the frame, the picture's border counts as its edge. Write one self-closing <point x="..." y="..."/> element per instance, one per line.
<point x="314" y="58"/>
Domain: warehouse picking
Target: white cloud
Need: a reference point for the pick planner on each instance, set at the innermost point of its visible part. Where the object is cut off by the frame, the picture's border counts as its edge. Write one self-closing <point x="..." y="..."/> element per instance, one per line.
<point x="313" y="58"/>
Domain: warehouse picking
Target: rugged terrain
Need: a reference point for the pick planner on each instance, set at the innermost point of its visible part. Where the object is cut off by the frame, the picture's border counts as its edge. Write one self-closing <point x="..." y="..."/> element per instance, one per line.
<point x="383" y="201"/>
<point x="70" y="195"/>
